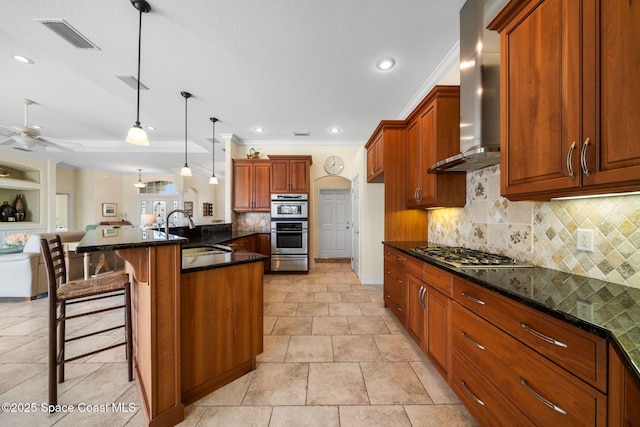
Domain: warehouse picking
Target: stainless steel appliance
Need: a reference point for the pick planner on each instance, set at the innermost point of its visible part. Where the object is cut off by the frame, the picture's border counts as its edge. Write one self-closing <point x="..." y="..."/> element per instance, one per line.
<point x="467" y="258"/>
<point x="289" y="245"/>
<point x="289" y="206"/>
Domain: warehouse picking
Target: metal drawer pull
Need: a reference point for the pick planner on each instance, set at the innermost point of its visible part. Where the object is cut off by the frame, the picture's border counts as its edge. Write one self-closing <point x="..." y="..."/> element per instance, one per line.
<point x="473" y="299"/>
<point x="583" y="158"/>
<point x="473" y="396"/>
<point x="541" y="336"/>
<point x="480" y="346"/>
<point x="421" y="293"/>
<point x="398" y="308"/>
<point x="540" y="398"/>
<point x="569" y="165"/>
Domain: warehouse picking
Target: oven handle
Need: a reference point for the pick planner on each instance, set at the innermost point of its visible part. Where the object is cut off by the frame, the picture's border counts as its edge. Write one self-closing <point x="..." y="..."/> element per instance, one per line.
<point x="289" y="232"/>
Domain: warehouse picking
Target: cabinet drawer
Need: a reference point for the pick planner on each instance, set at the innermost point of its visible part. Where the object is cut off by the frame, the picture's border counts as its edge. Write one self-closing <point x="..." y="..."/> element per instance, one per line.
<point x="438" y="278"/>
<point x="414" y="266"/>
<point x="487" y="405"/>
<point x="545" y="393"/>
<point x="581" y="353"/>
<point x="394" y="256"/>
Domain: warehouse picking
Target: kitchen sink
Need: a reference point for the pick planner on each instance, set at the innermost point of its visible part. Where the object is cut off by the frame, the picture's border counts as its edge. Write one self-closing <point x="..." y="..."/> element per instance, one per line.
<point x="205" y="250"/>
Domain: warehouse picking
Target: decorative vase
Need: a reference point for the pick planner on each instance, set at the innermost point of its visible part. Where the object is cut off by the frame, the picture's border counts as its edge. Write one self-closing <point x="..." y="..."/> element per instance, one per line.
<point x="6" y="211"/>
<point x="19" y="208"/>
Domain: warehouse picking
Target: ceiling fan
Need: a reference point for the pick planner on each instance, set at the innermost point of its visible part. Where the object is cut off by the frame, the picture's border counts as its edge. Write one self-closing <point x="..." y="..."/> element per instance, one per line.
<point x="27" y="138"/>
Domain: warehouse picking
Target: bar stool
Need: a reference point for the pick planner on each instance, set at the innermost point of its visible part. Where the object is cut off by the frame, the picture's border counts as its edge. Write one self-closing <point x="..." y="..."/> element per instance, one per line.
<point x="63" y="293"/>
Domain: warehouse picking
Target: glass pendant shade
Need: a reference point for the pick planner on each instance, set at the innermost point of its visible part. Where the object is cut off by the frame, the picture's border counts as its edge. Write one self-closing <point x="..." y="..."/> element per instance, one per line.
<point x="186" y="170"/>
<point x="213" y="180"/>
<point x="137" y="136"/>
<point x="140" y="184"/>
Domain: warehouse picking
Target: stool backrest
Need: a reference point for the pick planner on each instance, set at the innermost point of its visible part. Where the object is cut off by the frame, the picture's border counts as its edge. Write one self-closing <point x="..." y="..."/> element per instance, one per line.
<point x="53" y="255"/>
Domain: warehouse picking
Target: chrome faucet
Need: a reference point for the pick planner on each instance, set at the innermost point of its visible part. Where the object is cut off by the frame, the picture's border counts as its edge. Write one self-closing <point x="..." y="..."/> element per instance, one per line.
<point x="166" y="223"/>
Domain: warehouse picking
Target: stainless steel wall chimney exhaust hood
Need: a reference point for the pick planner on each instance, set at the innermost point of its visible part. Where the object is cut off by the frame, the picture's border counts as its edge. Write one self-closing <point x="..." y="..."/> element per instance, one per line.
<point x="479" y="91"/>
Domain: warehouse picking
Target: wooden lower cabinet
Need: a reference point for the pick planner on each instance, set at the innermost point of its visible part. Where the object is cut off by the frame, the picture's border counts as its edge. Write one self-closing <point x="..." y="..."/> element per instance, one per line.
<point x="545" y="393"/>
<point x="221" y="326"/>
<point x="395" y="283"/>
<point x="624" y="393"/>
<point x="263" y="247"/>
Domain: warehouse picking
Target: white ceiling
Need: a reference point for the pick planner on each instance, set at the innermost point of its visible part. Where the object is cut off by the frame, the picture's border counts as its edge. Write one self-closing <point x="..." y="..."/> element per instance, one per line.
<point x="285" y="65"/>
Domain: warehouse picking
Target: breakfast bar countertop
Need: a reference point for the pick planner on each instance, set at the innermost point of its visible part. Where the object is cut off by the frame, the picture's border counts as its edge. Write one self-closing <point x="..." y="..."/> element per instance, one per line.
<point x="125" y="238"/>
<point x="611" y="311"/>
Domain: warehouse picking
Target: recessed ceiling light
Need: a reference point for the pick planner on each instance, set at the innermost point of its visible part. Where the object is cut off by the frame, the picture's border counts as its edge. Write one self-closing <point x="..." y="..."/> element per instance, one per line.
<point x="385" y="63"/>
<point x="23" y="59"/>
<point x="335" y="130"/>
<point x="151" y="128"/>
<point x="259" y="130"/>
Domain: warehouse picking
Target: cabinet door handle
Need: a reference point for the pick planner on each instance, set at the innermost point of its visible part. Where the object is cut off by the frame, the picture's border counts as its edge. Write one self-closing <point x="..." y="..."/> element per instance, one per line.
<point x="480" y="346"/>
<point x="542" y="336"/>
<point x="423" y="290"/>
<point x="473" y="299"/>
<point x="569" y="158"/>
<point x="473" y="396"/>
<point x="372" y="166"/>
<point x="398" y="308"/>
<point x="540" y="398"/>
<point x="398" y="280"/>
<point x="583" y="158"/>
<point x="415" y="194"/>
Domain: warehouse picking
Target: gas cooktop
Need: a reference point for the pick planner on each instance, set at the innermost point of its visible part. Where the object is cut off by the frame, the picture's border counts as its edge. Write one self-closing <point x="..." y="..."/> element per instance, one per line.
<point x="466" y="258"/>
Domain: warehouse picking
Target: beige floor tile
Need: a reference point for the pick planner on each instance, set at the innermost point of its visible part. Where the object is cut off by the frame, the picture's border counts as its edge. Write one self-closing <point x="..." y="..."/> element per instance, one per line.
<point x="280" y="308"/>
<point x="313" y="309"/>
<point x="439" y="415"/>
<point x="290" y="287"/>
<point x="330" y="326"/>
<point x="292" y="326"/>
<point x="394" y="348"/>
<point x="368" y="325"/>
<point x="344" y="309"/>
<point x="8" y="343"/>
<point x="438" y="389"/>
<point x="373" y="416"/>
<point x="355" y="348"/>
<point x="230" y="394"/>
<point x="276" y="297"/>
<point x="314" y="287"/>
<point x="336" y="384"/>
<point x="268" y="323"/>
<point x="355" y="297"/>
<point x="339" y="288"/>
<point x="328" y="297"/>
<point x="275" y="348"/>
<point x="300" y="297"/>
<point x="310" y="348"/>
<point x="373" y="308"/>
<point x="393" y="383"/>
<point x="278" y="384"/>
<point x="14" y="374"/>
<point x="305" y="416"/>
<point x="255" y="416"/>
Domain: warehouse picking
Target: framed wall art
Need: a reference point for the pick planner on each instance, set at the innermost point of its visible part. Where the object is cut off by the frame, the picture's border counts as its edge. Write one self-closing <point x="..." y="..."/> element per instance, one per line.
<point x="109" y="209"/>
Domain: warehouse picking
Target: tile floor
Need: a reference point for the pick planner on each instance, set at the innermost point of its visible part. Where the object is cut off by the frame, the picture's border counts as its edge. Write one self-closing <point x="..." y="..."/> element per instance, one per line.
<point x="334" y="356"/>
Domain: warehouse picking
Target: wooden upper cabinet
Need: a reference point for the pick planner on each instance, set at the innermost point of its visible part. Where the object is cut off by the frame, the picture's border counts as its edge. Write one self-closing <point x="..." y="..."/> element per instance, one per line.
<point x="375" y="159"/>
<point x="251" y="185"/>
<point x="290" y="174"/>
<point x="569" y="124"/>
<point x="433" y="134"/>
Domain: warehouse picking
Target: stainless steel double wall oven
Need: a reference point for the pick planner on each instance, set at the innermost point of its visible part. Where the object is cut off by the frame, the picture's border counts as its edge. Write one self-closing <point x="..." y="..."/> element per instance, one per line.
<point x="289" y="232"/>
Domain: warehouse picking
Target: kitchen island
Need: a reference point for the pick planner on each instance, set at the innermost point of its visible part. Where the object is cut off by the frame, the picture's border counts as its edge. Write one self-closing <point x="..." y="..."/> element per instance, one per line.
<point x="168" y="356"/>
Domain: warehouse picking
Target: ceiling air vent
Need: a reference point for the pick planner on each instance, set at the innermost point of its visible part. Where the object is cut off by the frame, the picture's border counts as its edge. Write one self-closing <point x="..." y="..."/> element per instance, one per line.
<point x="67" y="32"/>
<point x="301" y="133"/>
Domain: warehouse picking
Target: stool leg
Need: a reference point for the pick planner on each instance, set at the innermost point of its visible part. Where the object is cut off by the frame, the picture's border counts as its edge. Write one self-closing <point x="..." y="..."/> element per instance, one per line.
<point x="128" y="328"/>
<point x="53" y="351"/>
<point x="61" y="339"/>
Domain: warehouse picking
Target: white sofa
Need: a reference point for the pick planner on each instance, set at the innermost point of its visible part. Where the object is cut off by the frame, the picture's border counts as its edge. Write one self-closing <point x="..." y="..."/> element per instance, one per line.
<point x="24" y="274"/>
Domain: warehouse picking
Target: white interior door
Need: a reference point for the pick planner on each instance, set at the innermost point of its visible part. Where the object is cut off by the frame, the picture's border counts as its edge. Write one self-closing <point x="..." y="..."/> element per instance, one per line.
<point x="334" y="219"/>
<point x="355" y="225"/>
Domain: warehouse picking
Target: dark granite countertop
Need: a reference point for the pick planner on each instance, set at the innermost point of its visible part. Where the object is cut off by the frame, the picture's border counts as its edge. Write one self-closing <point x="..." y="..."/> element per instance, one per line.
<point x="207" y="262"/>
<point x="124" y="238"/>
<point x="607" y="309"/>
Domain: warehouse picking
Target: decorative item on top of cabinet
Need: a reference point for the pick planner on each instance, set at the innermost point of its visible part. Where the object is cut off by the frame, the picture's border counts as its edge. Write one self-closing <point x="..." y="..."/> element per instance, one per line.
<point x="433" y="134"/>
<point x="290" y="174"/>
<point x="572" y="130"/>
<point x="251" y="185"/>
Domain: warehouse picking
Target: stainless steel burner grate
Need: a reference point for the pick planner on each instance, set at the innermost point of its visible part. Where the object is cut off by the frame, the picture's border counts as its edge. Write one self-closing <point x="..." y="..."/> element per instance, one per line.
<point x="467" y="258"/>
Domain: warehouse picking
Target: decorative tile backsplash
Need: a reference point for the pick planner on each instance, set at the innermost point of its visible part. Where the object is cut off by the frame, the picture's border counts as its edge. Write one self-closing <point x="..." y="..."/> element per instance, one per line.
<point x="544" y="233"/>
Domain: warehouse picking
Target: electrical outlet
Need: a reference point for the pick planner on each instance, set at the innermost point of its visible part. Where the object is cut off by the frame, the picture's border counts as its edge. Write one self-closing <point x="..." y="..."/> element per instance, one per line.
<point x="584" y="310"/>
<point x="584" y="240"/>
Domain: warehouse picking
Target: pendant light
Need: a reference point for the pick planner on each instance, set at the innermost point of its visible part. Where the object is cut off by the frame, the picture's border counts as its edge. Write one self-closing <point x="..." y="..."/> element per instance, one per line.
<point x="137" y="135"/>
<point x="186" y="171"/>
<point x="213" y="179"/>
<point x="140" y="184"/>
